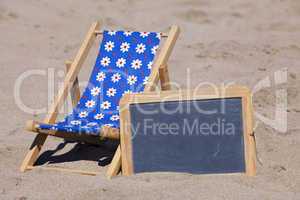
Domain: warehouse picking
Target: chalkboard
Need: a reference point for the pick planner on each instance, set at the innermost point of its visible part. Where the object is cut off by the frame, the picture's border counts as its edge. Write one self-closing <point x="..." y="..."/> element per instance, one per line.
<point x="198" y="136"/>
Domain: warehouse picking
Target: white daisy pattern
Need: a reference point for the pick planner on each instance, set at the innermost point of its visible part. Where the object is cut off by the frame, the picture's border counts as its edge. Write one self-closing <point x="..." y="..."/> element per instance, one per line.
<point x="100" y="76"/>
<point x="144" y="34"/>
<point x="92" y="124"/>
<point x="109" y="46"/>
<point x="115" y="77"/>
<point x="150" y="65"/>
<point x="154" y="49"/>
<point x="99" y="116"/>
<point x="131" y="79"/>
<point x="146" y="79"/>
<point x="140" y="48"/>
<point x="105" y="105"/>
<point x="75" y="122"/>
<point x="90" y="103"/>
<point x="114" y="117"/>
<point x="127" y="33"/>
<point x="112" y="33"/>
<point x="123" y="65"/>
<point x="54" y="128"/>
<point x="95" y="91"/>
<point x="125" y="47"/>
<point x="105" y="61"/>
<point x="136" y="64"/>
<point x="158" y="35"/>
<point x="121" y="62"/>
<point x="127" y="92"/>
<point x="83" y="114"/>
<point x="111" y="92"/>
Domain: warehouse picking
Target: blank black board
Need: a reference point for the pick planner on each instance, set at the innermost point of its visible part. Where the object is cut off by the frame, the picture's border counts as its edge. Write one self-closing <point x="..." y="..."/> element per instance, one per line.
<point x="200" y="143"/>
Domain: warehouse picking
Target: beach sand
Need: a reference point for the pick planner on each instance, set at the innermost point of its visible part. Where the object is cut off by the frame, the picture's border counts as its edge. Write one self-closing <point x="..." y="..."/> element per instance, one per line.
<point x="237" y="41"/>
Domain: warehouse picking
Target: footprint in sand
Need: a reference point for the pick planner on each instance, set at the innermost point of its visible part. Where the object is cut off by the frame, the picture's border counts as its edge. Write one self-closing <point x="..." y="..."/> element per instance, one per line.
<point x="36" y="26"/>
<point x="293" y="75"/>
<point x="12" y="15"/>
<point x="262" y="69"/>
<point x="237" y="15"/>
<point x="283" y="27"/>
<point x="278" y="168"/>
<point x="7" y="15"/>
<point x="194" y="16"/>
<point x="208" y="67"/>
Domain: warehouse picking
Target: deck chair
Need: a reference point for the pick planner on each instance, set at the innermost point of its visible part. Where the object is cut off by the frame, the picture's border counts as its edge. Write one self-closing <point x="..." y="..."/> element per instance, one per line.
<point x="126" y="63"/>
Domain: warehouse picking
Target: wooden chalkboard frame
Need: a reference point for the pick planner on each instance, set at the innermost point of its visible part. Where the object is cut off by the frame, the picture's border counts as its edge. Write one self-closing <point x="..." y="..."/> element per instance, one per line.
<point x="200" y="94"/>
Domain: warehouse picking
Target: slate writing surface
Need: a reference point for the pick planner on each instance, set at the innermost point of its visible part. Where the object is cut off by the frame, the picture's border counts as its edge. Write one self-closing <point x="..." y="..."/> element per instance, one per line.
<point x="199" y="136"/>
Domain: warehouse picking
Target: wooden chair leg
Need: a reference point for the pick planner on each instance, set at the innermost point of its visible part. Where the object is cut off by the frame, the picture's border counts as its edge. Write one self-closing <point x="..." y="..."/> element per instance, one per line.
<point x="164" y="78"/>
<point x="115" y="164"/>
<point x="33" y="153"/>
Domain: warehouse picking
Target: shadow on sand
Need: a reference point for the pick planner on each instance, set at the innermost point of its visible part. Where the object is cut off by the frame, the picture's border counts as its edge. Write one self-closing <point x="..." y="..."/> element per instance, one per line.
<point x="102" y="153"/>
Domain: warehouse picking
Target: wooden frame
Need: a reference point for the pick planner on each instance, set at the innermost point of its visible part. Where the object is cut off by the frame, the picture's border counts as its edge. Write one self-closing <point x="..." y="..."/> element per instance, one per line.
<point x="205" y="93"/>
<point x="71" y="85"/>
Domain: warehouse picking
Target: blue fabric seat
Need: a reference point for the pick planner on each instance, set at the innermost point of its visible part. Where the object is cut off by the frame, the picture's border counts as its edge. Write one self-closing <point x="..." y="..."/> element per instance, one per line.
<point x="123" y="65"/>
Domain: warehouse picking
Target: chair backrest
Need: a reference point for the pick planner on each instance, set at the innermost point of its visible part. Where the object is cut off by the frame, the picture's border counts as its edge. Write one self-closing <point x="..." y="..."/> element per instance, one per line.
<point x="123" y="65"/>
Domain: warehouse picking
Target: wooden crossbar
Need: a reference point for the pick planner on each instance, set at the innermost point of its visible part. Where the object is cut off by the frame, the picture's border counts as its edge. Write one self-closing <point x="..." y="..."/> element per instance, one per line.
<point x="61" y="169"/>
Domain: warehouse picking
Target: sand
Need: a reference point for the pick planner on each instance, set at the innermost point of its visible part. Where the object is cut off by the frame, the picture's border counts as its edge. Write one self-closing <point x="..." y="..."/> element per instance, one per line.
<point x="237" y="41"/>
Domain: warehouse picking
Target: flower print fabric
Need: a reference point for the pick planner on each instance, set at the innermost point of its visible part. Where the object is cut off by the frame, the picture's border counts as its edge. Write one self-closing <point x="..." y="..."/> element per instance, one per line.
<point x="123" y="66"/>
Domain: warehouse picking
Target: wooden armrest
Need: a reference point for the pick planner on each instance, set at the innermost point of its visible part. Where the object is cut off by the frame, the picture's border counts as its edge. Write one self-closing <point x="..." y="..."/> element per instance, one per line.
<point x="31" y="125"/>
